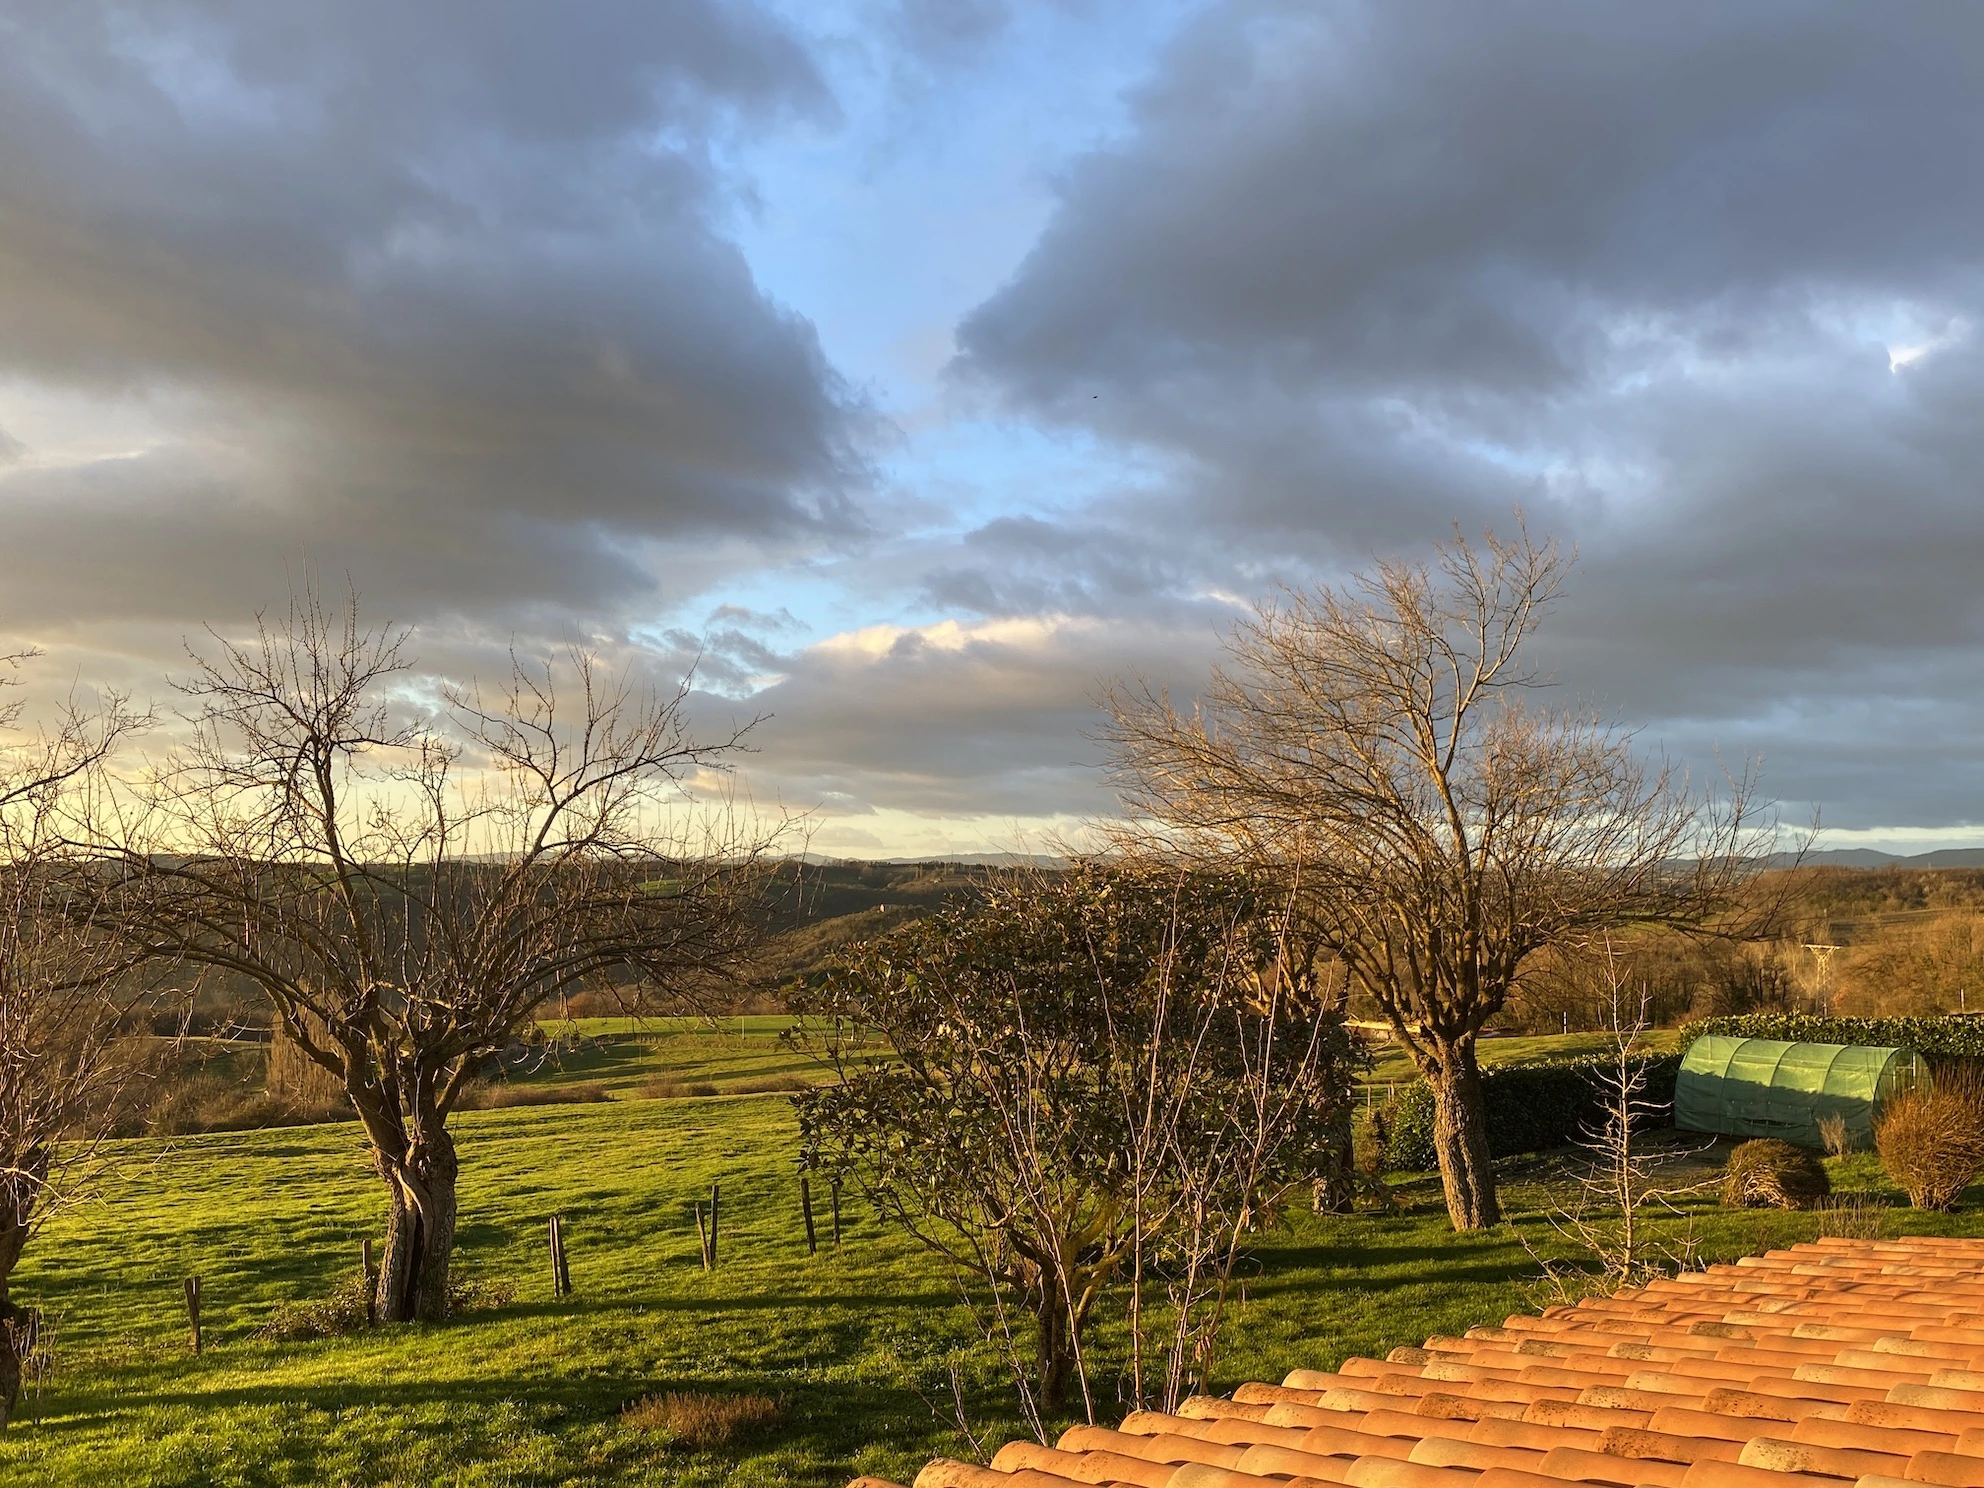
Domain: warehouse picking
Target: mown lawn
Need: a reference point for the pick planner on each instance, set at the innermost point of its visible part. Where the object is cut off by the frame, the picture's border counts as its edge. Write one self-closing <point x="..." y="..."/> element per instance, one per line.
<point x="854" y="1345"/>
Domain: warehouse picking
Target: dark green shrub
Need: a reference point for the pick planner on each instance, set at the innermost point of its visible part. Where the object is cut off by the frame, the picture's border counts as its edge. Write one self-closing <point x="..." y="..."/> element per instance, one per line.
<point x="1769" y="1174"/>
<point x="1407" y="1125"/>
<point x="1949" y="1038"/>
<point x="1532" y="1107"/>
<point x="343" y="1311"/>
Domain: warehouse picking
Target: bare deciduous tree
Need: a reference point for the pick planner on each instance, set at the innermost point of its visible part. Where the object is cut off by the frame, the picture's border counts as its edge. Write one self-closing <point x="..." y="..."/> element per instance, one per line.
<point x="65" y="990"/>
<point x="408" y="890"/>
<point x="1448" y="829"/>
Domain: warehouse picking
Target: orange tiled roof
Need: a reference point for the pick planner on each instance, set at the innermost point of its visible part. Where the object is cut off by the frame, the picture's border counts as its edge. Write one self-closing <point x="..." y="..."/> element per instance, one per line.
<point x="1840" y="1361"/>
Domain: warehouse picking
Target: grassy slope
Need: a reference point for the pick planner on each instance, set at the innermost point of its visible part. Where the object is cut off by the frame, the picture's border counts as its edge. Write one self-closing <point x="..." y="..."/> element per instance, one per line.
<point x="621" y="1053"/>
<point x="853" y="1344"/>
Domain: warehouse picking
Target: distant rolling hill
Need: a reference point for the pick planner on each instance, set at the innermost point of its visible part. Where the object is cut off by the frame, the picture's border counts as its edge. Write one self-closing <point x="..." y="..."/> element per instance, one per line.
<point x="1867" y="857"/>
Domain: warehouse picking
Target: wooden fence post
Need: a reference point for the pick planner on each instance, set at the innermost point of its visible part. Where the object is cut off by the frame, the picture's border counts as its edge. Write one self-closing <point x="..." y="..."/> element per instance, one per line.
<point x="191" y="1287"/>
<point x="561" y="1272"/>
<point x="806" y="1207"/>
<point x="713" y="1202"/>
<point x="371" y="1283"/>
<point x="836" y="1198"/>
<point x="703" y="1234"/>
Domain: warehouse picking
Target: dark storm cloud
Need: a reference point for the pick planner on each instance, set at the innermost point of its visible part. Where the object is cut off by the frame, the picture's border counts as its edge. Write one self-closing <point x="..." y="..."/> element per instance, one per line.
<point x="1462" y="197"/>
<point x="435" y="294"/>
<point x="1698" y="285"/>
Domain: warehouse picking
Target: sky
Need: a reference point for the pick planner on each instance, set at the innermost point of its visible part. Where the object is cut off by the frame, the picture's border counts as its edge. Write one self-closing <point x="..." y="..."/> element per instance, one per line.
<point x="911" y="369"/>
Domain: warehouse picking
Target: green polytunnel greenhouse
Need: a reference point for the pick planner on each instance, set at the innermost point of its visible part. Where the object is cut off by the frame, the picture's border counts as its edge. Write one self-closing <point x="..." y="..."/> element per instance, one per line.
<point x="1752" y="1087"/>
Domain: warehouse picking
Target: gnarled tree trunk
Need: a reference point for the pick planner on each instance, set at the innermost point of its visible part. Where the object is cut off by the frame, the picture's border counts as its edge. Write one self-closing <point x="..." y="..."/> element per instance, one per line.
<point x="420" y="1228"/>
<point x="1055" y="1354"/>
<point x="17" y="1198"/>
<point x="1460" y="1139"/>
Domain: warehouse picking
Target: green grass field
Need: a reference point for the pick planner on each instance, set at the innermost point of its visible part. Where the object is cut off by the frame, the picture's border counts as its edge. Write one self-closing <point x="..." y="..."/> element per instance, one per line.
<point x="854" y="1346"/>
<point x="622" y="1054"/>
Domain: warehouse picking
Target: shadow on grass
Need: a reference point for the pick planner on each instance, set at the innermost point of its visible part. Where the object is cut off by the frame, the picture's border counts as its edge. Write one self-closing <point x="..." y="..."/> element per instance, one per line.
<point x="831" y="1421"/>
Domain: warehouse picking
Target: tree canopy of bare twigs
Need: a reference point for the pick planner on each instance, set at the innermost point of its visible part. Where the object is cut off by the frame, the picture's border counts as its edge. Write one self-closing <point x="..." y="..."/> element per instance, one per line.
<point x="1386" y="736"/>
<point x="1106" y="1076"/>
<point x="407" y="889"/>
<point x="66" y="988"/>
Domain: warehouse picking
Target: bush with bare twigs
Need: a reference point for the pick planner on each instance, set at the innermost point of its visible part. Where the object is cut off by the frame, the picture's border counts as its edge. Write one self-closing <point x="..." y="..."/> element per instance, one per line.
<point x="1931" y="1141"/>
<point x="694" y="1419"/>
<point x="1769" y="1174"/>
<point x="1833" y="1132"/>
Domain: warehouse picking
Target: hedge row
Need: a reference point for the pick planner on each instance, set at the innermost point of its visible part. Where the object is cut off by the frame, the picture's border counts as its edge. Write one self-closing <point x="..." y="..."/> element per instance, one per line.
<point x="1948" y="1037"/>
<point x="1531" y="1107"/>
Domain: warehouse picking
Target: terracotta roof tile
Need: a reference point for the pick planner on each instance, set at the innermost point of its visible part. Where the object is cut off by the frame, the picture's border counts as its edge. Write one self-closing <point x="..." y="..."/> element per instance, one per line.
<point x="1952" y="1468"/>
<point x="1841" y="1361"/>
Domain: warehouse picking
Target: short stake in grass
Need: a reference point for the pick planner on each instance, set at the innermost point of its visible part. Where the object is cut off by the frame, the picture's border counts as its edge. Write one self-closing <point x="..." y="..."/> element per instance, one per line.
<point x="371" y="1283"/>
<point x="806" y="1208"/>
<point x="713" y="1201"/>
<point x="561" y="1273"/>
<point x="192" y="1290"/>
<point x="703" y="1234"/>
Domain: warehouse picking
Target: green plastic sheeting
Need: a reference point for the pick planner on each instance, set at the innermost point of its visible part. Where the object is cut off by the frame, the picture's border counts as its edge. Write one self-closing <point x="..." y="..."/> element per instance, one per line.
<point x="1762" y="1088"/>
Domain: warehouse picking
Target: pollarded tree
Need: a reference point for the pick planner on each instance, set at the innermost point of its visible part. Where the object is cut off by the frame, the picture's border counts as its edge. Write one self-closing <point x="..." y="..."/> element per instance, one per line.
<point x="409" y="891"/>
<point x="1095" y="1077"/>
<point x="1448" y="830"/>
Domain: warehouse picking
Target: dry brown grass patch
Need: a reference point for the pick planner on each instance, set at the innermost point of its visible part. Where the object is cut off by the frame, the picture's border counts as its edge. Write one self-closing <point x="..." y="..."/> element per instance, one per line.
<point x="667" y="1087"/>
<point x="502" y="1095"/>
<point x="1853" y="1217"/>
<point x="694" y="1419"/>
